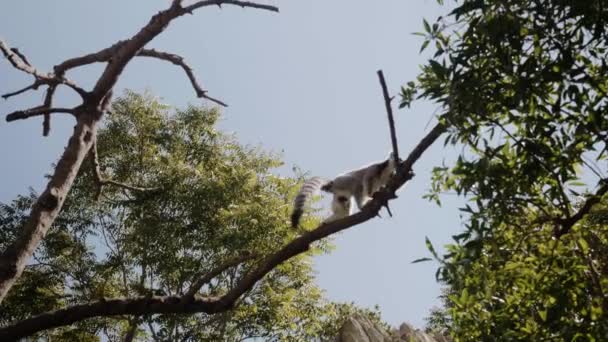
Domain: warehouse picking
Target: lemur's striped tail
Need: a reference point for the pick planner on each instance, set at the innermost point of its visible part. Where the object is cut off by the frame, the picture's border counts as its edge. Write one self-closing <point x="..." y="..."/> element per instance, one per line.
<point x="310" y="188"/>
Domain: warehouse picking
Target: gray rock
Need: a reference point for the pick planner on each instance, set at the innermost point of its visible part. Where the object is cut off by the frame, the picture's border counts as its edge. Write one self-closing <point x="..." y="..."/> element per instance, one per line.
<point x="360" y="329"/>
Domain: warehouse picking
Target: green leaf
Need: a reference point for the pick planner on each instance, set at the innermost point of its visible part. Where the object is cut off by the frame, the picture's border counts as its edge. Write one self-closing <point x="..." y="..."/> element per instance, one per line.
<point x="427" y="27"/>
<point x="421" y="260"/>
<point x="430" y="247"/>
<point x="424" y="45"/>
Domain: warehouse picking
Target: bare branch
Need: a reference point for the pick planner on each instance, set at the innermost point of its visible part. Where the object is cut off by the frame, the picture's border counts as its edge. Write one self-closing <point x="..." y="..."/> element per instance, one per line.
<point x="32" y="86"/>
<point x="47" y="207"/>
<point x="22" y="56"/>
<point x="20" y="62"/>
<point x="196" y="286"/>
<point x="389" y="111"/>
<point x="48" y="101"/>
<point x="100" y="56"/>
<point x="179" y="61"/>
<point x="36" y="111"/>
<point x="219" y="3"/>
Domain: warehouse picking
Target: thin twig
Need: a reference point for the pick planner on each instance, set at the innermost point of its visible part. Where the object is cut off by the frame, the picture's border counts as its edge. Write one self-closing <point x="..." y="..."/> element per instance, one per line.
<point x="215" y="272"/>
<point x="219" y="3"/>
<point x="389" y="111"/>
<point x="101" y="181"/>
<point x="32" y="86"/>
<point x="179" y="61"/>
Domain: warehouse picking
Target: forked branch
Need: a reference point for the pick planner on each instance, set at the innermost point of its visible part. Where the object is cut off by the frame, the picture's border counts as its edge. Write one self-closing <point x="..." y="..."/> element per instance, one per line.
<point x="389" y="112"/>
<point x="179" y="61"/>
<point x="20" y="62"/>
<point x="94" y="103"/>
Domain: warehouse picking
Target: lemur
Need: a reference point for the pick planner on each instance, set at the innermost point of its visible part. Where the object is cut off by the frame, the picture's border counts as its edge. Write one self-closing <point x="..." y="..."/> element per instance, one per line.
<point x="361" y="184"/>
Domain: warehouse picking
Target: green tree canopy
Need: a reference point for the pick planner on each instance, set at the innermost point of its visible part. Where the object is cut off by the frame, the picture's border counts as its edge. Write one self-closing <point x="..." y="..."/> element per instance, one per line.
<point x="523" y="87"/>
<point x="176" y="199"/>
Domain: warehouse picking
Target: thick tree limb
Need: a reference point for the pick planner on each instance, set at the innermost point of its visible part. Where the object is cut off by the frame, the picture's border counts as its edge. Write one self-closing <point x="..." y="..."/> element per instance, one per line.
<point x="179" y="61"/>
<point x="103" y="55"/>
<point x="46" y="208"/>
<point x="389" y="112"/>
<point x="193" y="304"/>
<point x="112" y="307"/>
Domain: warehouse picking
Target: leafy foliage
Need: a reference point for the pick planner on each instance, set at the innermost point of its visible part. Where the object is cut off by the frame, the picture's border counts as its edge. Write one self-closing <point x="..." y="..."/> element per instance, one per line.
<point x="208" y="199"/>
<point x="523" y="88"/>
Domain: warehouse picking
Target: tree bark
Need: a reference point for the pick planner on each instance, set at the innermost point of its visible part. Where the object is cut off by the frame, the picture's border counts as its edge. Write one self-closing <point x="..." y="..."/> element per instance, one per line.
<point x="14" y="259"/>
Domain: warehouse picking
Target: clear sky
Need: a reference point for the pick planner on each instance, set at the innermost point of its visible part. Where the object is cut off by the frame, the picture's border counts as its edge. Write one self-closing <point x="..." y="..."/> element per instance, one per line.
<point x="302" y="82"/>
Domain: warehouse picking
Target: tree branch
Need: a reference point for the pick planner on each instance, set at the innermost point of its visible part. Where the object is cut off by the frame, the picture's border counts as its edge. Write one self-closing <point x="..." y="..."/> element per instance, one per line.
<point x="32" y="86"/>
<point x="179" y="61"/>
<point x="101" y="181"/>
<point x="20" y="62"/>
<point x="48" y="206"/>
<point x="111" y="307"/>
<point x="389" y="112"/>
<point x="564" y="225"/>
<point x="36" y="111"/>
<point x="100" y="56"/>
<point x="219" y="3"/>
<point x="193" y="304"/>
<point x="196" y="286"/>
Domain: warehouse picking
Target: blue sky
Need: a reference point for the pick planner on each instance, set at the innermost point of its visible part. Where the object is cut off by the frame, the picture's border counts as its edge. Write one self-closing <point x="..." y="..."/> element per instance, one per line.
<point x="302" y="82"/>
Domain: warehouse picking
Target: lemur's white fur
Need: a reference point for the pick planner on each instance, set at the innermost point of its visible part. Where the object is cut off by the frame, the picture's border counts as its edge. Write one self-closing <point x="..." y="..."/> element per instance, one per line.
<point x="361" y="184"/>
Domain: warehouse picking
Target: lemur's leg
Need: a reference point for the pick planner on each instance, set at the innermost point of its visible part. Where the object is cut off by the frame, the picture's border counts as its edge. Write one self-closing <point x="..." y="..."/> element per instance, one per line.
<point x="340" y="206"/>
<point x="361" y="196"/>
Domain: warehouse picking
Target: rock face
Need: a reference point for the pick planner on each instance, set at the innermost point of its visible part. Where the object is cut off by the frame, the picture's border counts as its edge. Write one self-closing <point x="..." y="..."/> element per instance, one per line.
<point x="407" y="333"/>
<point x="361" y="329"/>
